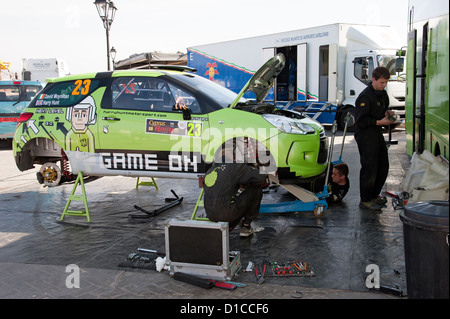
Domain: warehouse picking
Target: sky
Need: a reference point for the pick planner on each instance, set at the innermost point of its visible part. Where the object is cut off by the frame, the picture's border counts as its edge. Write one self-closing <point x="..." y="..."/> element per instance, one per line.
<point x="73" y="31"/>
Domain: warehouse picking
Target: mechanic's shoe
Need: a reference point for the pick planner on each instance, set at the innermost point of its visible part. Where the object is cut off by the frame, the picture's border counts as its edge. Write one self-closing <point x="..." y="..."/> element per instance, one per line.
<point x="380" y="200"/>
<point x="370" y="205"/>
<point x="246" y="231"/>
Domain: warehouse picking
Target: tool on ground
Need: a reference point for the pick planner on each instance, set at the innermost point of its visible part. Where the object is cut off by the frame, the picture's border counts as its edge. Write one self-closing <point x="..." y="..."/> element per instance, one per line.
<point x="223" y="285"/>
<point x="237" y="284"/>
<point x="202" y="282"/>
<point x="144" y="250"/>
<point x="291" y="268"/>
<point x="250" y="266"/>
<point x="260" y="271"/>
<point x="136" y="260"/>
<point x="173" y="202"/>
<point x="399" y="199"/>
<point x="168" y="199"/>
<point x="193" y="280"/>
<point x="396" y="291"/>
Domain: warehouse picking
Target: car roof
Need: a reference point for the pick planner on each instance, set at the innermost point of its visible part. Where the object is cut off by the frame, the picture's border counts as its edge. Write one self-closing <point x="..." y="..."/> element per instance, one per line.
<point x="19" y="82"/>
<point x="156" y="70"/>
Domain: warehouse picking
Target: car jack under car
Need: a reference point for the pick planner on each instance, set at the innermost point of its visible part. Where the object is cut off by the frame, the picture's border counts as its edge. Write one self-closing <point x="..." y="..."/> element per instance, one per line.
<point x="306" y="200"/>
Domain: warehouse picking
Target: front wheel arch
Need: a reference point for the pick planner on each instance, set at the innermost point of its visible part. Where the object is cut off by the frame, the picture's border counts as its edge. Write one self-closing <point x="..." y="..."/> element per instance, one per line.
<point x="48" y="153"/>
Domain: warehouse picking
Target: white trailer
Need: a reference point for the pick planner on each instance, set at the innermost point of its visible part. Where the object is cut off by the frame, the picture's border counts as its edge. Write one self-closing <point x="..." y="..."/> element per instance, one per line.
<point x="326" y="66"/>
<point x="41" y="69"/>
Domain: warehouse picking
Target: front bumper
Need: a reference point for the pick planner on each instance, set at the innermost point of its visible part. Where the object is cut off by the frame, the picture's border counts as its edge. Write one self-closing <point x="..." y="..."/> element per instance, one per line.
<point x="306" y="157"/>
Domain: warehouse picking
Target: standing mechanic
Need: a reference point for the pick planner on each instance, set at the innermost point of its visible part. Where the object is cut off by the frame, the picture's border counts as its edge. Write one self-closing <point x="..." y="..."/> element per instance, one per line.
<point x="371" y="114"/>
<point x="233" y="192"/>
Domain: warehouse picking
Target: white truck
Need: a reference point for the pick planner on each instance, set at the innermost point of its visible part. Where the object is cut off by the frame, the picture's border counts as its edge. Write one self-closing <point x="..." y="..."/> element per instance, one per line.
<point x="326" y="66"/>
<point x="41" y="69"/>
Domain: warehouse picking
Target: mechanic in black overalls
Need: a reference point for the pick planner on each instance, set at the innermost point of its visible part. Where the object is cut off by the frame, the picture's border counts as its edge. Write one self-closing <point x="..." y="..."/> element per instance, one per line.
<point x="371" y="114"/>
<point x="233" y="192"/>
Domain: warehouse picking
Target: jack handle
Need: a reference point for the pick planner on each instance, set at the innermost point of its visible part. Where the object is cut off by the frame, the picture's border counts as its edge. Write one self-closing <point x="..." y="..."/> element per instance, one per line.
<point x="330" y="155"/>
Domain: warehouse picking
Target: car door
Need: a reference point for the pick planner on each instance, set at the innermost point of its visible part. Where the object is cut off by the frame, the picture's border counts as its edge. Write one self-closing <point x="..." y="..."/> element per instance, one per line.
<point x="144" y="132"/>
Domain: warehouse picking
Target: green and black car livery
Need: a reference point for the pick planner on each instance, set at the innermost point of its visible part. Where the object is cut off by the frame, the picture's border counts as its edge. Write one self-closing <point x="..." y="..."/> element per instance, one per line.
<point x="163" y="122"/>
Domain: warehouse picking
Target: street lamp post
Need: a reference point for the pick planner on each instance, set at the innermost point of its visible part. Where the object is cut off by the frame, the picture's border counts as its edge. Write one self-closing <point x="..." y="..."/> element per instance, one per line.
<point x="106" y="11"/>
<point x="113" y="55"/>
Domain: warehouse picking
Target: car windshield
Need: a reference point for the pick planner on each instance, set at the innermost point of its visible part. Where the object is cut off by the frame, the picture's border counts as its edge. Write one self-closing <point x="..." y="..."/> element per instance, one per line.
<point x="14" y="93"/>
<point x="223" y="96"/>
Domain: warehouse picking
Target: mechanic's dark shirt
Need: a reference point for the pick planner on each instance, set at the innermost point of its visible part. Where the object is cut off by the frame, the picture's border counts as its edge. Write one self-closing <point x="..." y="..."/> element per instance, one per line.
<point x="223" y="181"/>
<point x="338" y="192"/>
<point x="371" y="105"/>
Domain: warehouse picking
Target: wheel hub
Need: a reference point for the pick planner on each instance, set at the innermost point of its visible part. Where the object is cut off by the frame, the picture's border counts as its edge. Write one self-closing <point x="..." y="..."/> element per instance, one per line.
<point x="51" y="174"/>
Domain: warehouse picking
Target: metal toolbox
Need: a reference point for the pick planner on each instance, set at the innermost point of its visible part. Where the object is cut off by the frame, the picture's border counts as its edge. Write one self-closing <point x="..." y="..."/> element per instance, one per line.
<point x="200" y="248"/>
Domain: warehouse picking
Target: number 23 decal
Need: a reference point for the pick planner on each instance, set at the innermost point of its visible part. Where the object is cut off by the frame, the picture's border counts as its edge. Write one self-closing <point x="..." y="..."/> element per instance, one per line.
<point x="82" y="87"/>
<point x="194" y="129"/>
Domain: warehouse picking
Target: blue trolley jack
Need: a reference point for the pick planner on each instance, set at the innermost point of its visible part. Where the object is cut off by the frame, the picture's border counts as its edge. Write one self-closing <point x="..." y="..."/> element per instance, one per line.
<point x="308" y="201"/>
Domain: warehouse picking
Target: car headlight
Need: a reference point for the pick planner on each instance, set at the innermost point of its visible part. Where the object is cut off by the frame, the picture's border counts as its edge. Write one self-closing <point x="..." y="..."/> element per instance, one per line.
<point x="287" y="125"/>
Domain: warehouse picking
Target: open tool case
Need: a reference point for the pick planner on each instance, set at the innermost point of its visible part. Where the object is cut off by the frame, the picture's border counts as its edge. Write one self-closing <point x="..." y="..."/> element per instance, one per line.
<point x="200" y="248"/>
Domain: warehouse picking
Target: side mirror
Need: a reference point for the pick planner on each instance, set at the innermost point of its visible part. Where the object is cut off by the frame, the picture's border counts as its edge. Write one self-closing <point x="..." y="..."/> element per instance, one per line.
<point x="399" y="64"/>
<point x="186" y="113"/>
<point x="401" y="52"/>
<point x="184" y="109"/>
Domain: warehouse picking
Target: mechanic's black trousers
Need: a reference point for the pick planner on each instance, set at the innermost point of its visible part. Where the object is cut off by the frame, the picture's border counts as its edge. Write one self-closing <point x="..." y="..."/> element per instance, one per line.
<point x="245" y="206"/>
<point x="374" y="164"/>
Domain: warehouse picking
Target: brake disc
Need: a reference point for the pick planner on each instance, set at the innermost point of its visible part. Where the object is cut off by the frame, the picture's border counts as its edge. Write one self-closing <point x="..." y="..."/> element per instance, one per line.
<point x="51" y="174"/>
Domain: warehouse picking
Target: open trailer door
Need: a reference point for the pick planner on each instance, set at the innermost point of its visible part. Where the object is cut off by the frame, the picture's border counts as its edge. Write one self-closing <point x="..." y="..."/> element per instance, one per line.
<point x="332" y="73"/>
<point x="302" y="72"/>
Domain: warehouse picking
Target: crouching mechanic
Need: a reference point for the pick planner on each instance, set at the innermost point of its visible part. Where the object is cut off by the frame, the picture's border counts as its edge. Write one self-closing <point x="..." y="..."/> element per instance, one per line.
<point x="233" y="193"/>
<point x="339" y="184"/>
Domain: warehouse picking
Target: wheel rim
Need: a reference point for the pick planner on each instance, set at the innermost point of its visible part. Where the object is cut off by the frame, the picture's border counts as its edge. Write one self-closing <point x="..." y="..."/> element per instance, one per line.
<point x="51" y="174"/>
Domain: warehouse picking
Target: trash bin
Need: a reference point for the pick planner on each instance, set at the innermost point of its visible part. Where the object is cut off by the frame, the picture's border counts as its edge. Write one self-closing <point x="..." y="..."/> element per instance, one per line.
<point x="425" y="230"/>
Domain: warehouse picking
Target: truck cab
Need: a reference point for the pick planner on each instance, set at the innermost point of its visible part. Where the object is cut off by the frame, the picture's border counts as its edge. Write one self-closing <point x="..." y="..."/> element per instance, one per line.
<point x="358" y="74"/>
<point x="327" y="67"/>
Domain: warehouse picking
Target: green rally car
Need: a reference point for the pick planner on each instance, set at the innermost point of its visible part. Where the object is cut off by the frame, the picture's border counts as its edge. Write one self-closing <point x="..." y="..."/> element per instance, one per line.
<point x="163" y="122"/>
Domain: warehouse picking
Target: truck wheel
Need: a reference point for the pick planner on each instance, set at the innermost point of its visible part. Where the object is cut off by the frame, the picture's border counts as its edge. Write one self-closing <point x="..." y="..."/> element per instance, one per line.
<point x="51" y="174"/>
<point x="342" y="117"/>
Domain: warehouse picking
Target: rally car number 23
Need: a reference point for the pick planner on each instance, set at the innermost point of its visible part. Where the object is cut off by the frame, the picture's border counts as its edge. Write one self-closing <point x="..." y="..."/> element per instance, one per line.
<point x="162" y="123"/>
